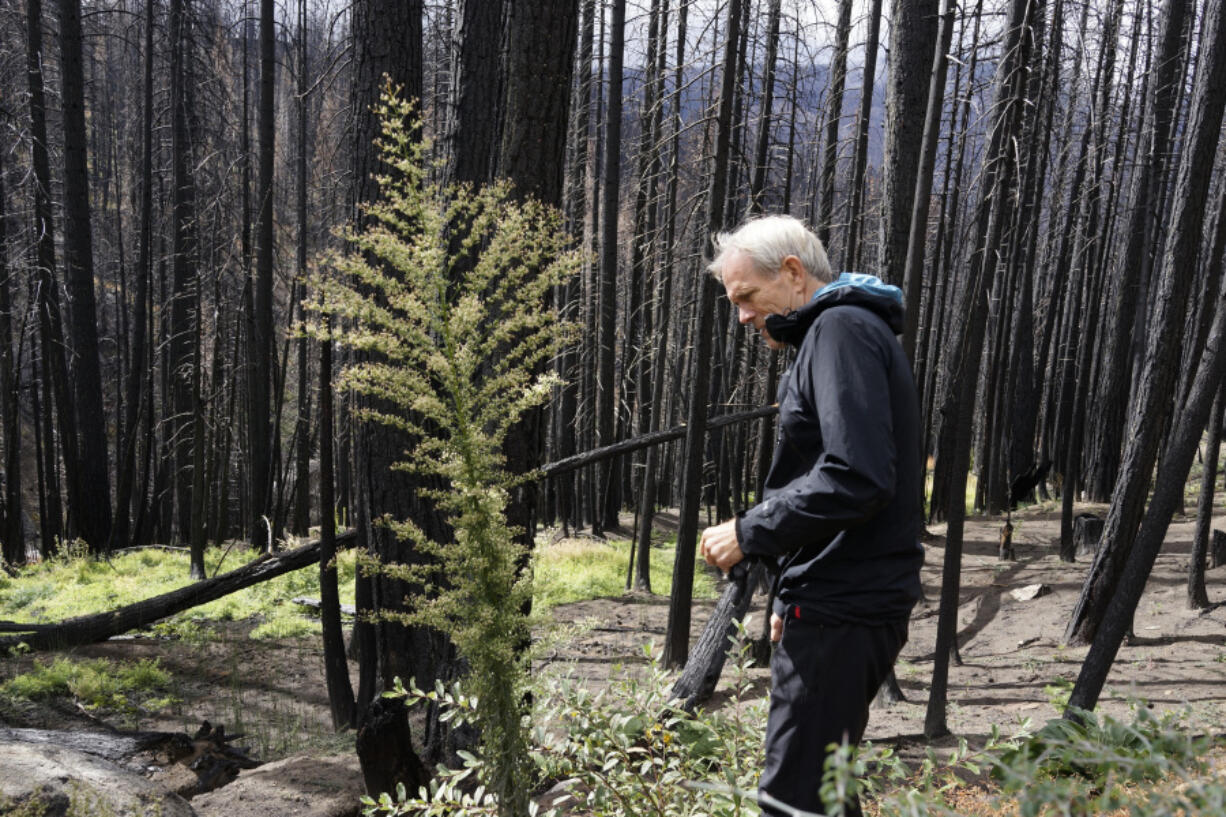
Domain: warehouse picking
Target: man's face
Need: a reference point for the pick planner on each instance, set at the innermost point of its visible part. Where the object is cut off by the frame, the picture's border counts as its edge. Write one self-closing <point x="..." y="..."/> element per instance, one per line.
<point x="755" y="295"/>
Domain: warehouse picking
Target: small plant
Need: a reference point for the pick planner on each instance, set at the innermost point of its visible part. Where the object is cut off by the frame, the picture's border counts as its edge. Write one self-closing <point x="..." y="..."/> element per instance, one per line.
<point x="1097" y="748"/>
<point x="446" y="297"/>
<point x="1095" y="765"/>
<point x="905" y="669"/>
<point x="623" y="750"/>
<point x="629" y="750"/>
<point x="1058" y="692"/>
<point x="1092" y="764"/>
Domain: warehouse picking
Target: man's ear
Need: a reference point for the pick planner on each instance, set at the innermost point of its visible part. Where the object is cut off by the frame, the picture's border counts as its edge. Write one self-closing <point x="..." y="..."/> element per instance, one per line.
<point x="795" y="272"/>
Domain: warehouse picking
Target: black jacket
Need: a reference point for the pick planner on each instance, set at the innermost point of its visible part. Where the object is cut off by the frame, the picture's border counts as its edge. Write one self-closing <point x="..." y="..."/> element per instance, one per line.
<point x="841" y="507"/>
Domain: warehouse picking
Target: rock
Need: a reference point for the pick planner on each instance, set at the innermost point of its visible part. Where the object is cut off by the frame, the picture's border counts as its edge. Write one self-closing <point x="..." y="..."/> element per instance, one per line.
<point x="299" y="786"/>
<point x="177" y="778"/>
<point x="66" y="781"/>
<point x="1030" y="592"/>
<point x="562" y="794"/>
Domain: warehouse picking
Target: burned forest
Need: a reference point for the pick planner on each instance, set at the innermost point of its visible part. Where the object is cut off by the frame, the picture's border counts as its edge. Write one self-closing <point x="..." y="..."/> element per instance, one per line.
<point x="219" y="336"/>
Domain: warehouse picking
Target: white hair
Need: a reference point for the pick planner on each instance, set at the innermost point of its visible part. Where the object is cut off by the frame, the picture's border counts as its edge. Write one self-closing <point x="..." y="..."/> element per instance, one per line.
<point x="767" y="241"/>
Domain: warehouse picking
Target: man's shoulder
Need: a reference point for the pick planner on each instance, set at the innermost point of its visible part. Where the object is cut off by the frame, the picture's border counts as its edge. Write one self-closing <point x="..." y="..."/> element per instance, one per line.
<point x="850" y="321"/>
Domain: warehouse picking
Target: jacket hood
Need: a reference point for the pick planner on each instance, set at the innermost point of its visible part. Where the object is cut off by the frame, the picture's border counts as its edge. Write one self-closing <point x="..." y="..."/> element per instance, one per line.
<point x="849" y="289"/>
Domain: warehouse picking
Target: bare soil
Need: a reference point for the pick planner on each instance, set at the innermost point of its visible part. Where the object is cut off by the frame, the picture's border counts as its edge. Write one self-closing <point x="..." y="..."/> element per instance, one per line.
<point x="1013" y="662"/>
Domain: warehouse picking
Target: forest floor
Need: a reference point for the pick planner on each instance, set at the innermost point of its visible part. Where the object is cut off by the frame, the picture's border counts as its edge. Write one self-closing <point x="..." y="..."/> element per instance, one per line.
<point x="1013" y="664"/>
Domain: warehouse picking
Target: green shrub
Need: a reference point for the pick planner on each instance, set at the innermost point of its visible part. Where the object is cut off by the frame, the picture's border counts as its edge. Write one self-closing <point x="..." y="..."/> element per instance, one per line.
<point x="623" y="750"/>
<point x="1101" y="750"/>
<point x="1092" y="765"/>
<point x="23" y="594"/>
<point x="628" y="749"/>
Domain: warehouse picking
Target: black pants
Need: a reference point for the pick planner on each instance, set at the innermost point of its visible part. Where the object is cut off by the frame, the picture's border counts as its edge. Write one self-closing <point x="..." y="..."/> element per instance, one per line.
<point x="823" y="678"/>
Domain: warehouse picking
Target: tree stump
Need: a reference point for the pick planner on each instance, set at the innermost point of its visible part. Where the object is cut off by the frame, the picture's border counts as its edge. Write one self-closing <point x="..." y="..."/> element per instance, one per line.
<point x="385" y="749"/>
<point x="1217" y="549"/>
<point x="1087" y="530"/>
<point x="889" y="693"/>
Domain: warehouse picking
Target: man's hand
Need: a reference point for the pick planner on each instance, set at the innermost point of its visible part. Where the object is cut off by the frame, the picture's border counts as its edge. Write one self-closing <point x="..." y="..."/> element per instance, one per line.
<point x="776" y="627"/>
<point x="720" y="547"/>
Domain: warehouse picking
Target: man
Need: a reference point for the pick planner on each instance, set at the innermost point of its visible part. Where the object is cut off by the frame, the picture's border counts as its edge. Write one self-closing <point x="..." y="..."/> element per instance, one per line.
<point x="840" y="512"/>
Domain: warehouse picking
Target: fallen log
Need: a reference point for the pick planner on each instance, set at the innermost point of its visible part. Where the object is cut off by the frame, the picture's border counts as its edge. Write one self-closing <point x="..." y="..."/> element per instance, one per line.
<point x="97" y="627"/>
<point x="186" y="764"/>
<point x="706" y="662"/>
<point x="20" y="627"/>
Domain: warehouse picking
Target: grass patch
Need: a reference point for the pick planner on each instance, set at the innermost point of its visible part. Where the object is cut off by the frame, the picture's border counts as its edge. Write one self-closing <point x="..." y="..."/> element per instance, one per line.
<point x="95" y="684"/>
<point x="566" y="571"/>
<point x="572" y="570"/>
<point x="72" y="586"/>
<point x="972" y="486"/>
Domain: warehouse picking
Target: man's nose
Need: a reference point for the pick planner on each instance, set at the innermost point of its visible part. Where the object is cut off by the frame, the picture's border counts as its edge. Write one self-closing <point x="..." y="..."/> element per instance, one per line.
<point x="744" y="314"/>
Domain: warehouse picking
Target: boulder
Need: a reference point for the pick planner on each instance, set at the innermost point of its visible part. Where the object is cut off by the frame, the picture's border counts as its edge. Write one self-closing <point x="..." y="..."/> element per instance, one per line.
<point x="299" y="786"/>
<point x="67" y="781"/>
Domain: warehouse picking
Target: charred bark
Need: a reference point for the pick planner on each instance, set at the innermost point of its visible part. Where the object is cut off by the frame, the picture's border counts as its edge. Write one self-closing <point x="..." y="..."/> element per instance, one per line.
<point x="92" y="508"/>
<point x="1152" y="403"/>
<point x="696" y="684"/>
<point x="677" y="637"/>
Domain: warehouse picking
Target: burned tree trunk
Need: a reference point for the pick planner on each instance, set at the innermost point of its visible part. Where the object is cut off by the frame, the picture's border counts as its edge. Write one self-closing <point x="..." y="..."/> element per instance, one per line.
<point x="912" y="78"/>
<point x="855" y="204"/>
<point x="92" y="509"/>
<point x="706" y="662"/>
<point x="1152" y="403"/>
<point x="913" y="263"/>
<point x="676" y="646"/>
<point x="540" y="63"/>
<point x="834" y="115"/>
<point x="14" y="545"/>
<point x="963" y="366"/>
<point x="1189" y="423"/>
<point x="604" y="515"/>
<point x="336" y="670"/>
<point x="1143" y="216"/>
<point x="385" y="749"/>
<point x="1198" y="599"/>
